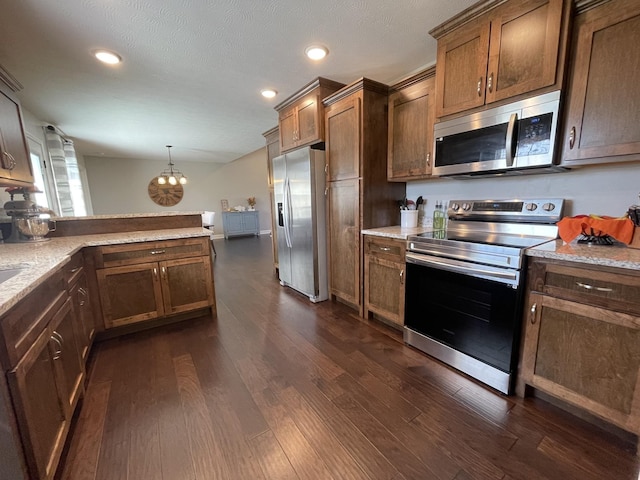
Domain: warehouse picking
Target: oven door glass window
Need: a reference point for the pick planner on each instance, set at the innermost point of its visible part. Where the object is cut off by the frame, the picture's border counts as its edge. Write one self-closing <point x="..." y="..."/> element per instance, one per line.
<point x="478" y="317"/>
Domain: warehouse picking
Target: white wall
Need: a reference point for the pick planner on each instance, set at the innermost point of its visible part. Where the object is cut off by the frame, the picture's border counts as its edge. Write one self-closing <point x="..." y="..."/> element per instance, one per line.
<point x="120" y="185"/>
<point x="601" y="189"/>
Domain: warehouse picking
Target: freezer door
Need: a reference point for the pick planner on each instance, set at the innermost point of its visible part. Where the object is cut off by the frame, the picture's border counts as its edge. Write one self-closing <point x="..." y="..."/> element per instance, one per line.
<point x="284" y="252"/>
<point x="302" y="232"/>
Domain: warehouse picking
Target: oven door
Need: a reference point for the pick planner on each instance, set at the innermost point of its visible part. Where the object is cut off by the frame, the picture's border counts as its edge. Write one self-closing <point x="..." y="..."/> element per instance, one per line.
<point x="476" y="313"/>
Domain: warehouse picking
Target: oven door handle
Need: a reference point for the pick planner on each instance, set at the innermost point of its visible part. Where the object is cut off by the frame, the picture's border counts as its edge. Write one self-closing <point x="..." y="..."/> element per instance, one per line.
<point x="464" y="268"/>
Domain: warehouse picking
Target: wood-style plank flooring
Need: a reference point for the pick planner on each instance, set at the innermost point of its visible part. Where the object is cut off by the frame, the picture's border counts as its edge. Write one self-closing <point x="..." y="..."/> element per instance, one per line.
<point x="276" y="387"/>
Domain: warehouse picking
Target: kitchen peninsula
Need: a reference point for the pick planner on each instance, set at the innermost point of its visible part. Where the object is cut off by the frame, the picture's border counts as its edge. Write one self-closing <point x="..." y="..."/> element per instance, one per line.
<point x="57" y="295"/>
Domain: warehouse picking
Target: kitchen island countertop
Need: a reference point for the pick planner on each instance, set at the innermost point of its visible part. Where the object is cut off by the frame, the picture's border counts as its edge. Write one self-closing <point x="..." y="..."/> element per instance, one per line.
<point x="38" y="261"/>
<point x="607" y="256"/>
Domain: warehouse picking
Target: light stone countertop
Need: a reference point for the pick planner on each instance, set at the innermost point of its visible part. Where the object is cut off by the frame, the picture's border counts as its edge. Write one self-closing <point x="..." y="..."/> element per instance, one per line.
<point x="606" y="256"/>
<point x="395" y="231"/>
<point x="41" y="260"/>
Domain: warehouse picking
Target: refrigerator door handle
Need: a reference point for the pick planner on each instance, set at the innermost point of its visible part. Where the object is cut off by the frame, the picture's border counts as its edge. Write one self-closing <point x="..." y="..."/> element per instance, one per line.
<point x="286" y="207"/>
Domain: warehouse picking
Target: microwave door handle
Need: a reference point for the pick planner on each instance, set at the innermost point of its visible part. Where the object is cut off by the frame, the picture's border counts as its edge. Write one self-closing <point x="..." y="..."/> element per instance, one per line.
<point x="510" y="143"/>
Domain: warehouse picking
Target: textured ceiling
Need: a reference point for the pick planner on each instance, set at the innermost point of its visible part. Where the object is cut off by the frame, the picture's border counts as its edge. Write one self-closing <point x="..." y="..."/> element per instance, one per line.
<point x="193" y="69"/>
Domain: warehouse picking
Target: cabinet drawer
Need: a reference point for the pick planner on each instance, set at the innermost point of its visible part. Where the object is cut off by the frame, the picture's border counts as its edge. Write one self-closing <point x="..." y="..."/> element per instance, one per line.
<point x="389" y="249"/>
<point x="24" y="323"/>
<point x="73" y="269"/>
<point x="613" y="291"/>
<point x="133" y="253"/>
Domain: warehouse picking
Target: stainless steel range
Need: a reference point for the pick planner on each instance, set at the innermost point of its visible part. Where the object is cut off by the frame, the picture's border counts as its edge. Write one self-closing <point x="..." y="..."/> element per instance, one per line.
<point x="464" y="284"/>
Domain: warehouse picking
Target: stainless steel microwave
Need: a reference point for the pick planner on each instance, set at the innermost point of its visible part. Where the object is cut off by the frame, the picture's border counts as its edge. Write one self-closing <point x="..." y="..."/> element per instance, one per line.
<point x="518" y="137"/>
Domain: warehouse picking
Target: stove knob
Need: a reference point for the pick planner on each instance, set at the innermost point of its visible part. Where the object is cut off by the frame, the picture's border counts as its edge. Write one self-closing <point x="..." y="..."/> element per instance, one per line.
<point x="548" y="207"/>
<point x="466" y="206"/>
<point x="531" y="207"/>
<point x="455" y="206"/>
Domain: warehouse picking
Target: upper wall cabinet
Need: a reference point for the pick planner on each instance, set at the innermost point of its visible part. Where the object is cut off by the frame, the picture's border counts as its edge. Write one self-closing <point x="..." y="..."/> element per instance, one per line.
<point x="411" y="118"/>
<point x="301" y="116"/>
<point x="604" y="92"/>
<point x="15" y="167"/>
<point x="488" y="56"/>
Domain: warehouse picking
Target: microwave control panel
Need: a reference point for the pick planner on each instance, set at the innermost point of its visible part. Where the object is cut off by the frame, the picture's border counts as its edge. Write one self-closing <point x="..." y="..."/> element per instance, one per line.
<point x="534" y="135"/>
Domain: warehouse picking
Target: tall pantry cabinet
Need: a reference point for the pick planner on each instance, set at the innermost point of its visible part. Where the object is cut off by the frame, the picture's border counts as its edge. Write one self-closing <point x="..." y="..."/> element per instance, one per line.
<point x="358" y="194"/>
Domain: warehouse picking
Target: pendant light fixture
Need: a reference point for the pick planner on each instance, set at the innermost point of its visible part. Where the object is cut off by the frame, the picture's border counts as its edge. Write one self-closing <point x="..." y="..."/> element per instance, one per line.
<point x="171" y="176"/>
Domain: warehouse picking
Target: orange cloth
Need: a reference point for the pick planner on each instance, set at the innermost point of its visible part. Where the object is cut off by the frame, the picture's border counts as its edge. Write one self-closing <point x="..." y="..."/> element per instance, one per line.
<point x="619" y="228"/>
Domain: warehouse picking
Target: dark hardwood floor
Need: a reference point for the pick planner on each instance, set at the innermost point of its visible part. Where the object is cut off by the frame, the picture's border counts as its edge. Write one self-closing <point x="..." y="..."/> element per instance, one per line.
<point x="276" y="387"/>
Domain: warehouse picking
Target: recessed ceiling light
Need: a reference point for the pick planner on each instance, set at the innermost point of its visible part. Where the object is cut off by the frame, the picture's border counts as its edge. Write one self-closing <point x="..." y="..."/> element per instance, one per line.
<point x="316" y="52"/>
<point x="268" y="93"/>
<point x="108" y="57"/>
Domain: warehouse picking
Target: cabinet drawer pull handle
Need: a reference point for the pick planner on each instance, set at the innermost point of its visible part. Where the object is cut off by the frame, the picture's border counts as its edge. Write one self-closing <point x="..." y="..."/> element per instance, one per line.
<point x="158" y="252"/>
<point x="480" y="87"/>
<point x="326" y="168"/>
<point x="534" y="307"/>
<point x="572" y="137"/>
<point x="164" y="272"/>
<point x="586" y="286"/>
<point x="326" y="190"/>
<point x="385" y="249"/>
<point x="428" y="159"/>
<point x="155" y="273"/>
<point x="402" y="277"/>
<point x="490" y="83"/>
<point x="58" y="352"/>
<point x="74" y="270"/>
<point x="82" y="291"/>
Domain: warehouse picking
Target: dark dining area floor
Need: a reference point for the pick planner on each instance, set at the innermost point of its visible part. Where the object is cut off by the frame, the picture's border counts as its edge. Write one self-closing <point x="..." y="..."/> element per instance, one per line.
<point x="276" y="387"/>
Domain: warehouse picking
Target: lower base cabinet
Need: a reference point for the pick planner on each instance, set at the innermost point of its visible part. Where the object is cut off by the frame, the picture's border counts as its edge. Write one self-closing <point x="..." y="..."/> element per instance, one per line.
<point x="384" y="270"/>
<point x="582" y="340"/>
<point x="46" y="382"/>
<point x="137" y="289"/>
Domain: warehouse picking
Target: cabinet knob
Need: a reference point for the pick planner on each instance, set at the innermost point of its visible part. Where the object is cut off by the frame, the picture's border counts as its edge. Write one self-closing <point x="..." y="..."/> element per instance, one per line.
<point x="532" y="317"/>
<point x="572" y="137"/>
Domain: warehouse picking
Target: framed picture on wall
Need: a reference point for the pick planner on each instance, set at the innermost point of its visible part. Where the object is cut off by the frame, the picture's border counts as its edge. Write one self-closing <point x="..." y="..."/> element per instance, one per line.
<point x="225" y="205"/>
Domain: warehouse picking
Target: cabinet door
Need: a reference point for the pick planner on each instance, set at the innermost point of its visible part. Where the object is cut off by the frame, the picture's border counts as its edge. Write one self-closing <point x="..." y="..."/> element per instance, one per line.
<point x="585" y="355"/>
<point x="186" y="284"/>
<point x="344" y="240"/>
<point x="41" y="414"/>
<point x="130" y="294"/>
<point x="462" y="68"/>
<point x="343" y="139"/>
<point x="288" y="129"/>
<point x="523" y="52"/>
<point x="411" y="117"/>
<point x="85" y="325"/>
<point x="15" y="165"/>
<point x="308" y="123"/>
<point x="384" y="288"/>
<point x="69" y="370"/>
<point x="604" y="92"/>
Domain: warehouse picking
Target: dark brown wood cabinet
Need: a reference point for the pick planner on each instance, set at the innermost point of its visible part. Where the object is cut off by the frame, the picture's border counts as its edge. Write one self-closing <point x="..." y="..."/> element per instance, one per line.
<point x="144" y="281"/>
<point x="15" y="166"/>
<point x="490" y="53"/>
<point x="301" y="116"/>
<point x="272" y="138"/>
<point x="582" y="339"/>
<point x="359" y="195"/>
<point x="411" y="119"/>
<point x="384" y="270"/>
<point x="45" y="375"/>
<point x="604" y="94"/>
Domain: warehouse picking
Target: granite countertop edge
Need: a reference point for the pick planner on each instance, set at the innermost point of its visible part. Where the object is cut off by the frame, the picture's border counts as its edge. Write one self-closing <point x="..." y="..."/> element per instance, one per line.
<point x="617" y="256"/>
<point x="395" y="231"/>
<point x="39" y="261"/>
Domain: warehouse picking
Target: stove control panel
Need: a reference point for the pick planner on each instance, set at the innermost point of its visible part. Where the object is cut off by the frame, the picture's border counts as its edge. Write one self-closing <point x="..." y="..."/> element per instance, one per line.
<point x="545" y="210"/>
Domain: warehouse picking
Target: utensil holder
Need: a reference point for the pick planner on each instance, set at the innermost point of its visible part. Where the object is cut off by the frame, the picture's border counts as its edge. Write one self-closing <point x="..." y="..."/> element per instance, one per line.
<point x="408" y="218"/>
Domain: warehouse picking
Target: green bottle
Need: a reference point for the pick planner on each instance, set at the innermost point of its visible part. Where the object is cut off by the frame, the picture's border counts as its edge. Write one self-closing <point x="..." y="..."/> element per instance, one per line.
<point x="438" y="220"/>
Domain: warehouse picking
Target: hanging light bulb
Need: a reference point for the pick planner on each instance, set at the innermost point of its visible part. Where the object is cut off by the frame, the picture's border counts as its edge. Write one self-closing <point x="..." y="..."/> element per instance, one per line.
<point x="171" y="176"/>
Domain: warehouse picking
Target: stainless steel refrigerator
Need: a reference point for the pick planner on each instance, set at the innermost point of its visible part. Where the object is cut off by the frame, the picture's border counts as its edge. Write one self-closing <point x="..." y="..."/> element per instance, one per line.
<point x="299" y="186"/>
